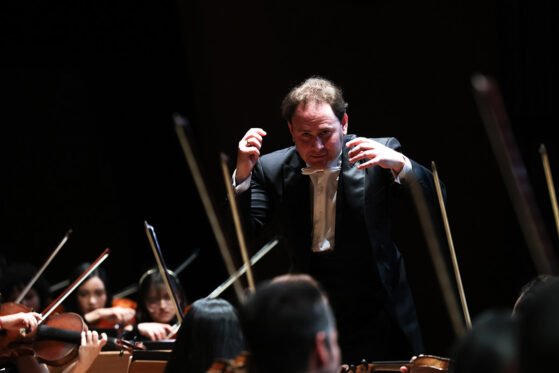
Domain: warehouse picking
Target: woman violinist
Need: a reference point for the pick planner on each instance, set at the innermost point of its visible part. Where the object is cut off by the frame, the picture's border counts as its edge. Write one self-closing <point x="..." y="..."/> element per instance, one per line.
<point x="93" y="301"/>
<point x="20" y="357"/>
<point x="155" y="314"/>
<point x="15" y="279"/>
<point x="210" y="333"/>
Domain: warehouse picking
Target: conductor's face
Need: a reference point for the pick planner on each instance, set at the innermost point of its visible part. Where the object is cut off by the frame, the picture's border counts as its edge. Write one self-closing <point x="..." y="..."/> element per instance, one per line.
<point x="317" y="133"/>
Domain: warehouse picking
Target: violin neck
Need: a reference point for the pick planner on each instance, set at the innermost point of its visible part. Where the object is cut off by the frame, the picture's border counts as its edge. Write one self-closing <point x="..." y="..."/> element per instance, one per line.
<point x="388" y="366"/>
<point x="69" y="336"/>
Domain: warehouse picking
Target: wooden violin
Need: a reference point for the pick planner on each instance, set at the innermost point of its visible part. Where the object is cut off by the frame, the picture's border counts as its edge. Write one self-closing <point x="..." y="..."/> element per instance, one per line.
<point x="58" y="339"/>
<point x="239" y="364"/>
<point x="8" y="337"/>
<point x="418" y="364"/>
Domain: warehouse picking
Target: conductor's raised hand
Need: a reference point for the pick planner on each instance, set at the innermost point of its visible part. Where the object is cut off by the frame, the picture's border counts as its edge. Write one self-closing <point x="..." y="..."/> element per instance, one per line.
<point x="248" y="153"/>
<point x="372" y="153"/>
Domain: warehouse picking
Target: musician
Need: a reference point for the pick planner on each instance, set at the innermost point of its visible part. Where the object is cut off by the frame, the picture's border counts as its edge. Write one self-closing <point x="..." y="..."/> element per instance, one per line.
<point x="93" y="301"/>
<point x="20" y="357"/>
<point x="155" y="314"/>
<point x="490" y="346"/>
<point x="539" y="331"/>
<point x="529" y="291"/>
<point x="20" y="320"/>
<point x="209" y="331"/>
<point x="16" y="277"/>
<point x="331" y="196"/>
<point x="289" y="327"/>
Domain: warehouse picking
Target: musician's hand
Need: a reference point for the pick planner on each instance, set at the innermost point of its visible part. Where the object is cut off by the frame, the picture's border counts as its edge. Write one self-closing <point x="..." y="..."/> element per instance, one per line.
<point x="154" y="331"/>
<point x="90" y="348"/>
<point x="404" y="369"/>
<point x="118" y="315"/>
<point x="122" y="314"/>
<point x="20" y="320"/>
<point x="248" y="153"/>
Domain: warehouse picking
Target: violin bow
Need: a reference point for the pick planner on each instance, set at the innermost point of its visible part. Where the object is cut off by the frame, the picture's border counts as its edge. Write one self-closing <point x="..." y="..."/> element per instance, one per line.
<point x="163" y="271"/>
<point x="134" y="287"/>
<point x="255" y="258"/>
<point x="74" y="285"/>
<point x="42" y="269"/>
<point x="513" y="170"/>
<point x="238" y="227"/>
<point x="461" y="292"/>
<point x="435" y="250"/>
<point x="550" y="186"/>
<point x="181" y="125"/>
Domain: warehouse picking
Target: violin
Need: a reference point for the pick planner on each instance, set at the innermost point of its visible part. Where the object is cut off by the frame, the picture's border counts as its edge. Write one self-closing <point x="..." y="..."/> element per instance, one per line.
<point x="418" y="364"/>
<point x="239" y="364"/>
<point x="56" y="340"/>
<point x="59" y="337"/>
<point x="8" y="337"/>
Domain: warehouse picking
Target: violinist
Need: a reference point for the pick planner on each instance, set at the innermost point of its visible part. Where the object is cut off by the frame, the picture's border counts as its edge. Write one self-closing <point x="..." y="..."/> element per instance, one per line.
<point x="289" y="327"/>
<point x="290" y="316"/>
<point x="20" y="358"/>
<point x="16" y="277"/>
<point x="490" y="346"/>
<point x="210" y="331"/>
<point x="93" y="301"/>
<point x="155" y="314"/>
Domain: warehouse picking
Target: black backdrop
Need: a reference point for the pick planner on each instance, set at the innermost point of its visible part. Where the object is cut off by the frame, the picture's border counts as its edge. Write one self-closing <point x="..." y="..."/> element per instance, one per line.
<point x="88" y="141"/>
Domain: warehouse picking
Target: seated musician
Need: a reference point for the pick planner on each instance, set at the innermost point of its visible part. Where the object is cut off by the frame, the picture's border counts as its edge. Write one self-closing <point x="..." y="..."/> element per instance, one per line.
<point x="530" y="290"/>
<point x="16" y="277"/>
<point x="93" y="301"/>
<point x="490" y="346"/>
<point x="156" y="314"/>
<point x="209" y="331"/>
<point x="289" y="327"/>
<point x="20" y="357"/>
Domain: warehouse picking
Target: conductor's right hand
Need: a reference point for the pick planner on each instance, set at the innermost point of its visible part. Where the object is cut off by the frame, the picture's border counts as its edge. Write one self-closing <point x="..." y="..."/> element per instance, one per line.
<point x="248" y="153"/>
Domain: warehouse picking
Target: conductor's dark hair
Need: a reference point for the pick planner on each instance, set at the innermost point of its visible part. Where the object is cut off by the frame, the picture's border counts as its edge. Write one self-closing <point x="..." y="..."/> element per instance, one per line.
<point x="314" y="89"/>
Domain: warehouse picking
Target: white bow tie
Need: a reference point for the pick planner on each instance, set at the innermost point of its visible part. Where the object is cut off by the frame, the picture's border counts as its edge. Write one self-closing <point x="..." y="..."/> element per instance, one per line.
<point x="312" y="170"/>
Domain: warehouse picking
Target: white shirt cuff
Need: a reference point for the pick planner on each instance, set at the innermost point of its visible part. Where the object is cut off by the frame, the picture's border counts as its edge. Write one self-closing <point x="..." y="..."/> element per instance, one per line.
<point x="405" y="170"/>
<point x="243" y="186"/>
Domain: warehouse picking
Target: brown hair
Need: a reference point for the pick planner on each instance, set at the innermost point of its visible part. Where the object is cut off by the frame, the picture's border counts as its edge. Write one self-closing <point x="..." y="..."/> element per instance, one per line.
<point x="314" y="89"/>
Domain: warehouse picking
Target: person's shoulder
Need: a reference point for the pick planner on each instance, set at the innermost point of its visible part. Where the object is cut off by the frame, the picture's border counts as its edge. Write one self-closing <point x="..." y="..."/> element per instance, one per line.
<point x="388" y="141"/>
<point x="278" y="156"/>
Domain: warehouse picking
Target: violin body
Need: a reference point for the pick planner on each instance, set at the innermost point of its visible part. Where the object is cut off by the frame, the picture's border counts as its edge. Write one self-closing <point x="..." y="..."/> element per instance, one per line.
<point x="237" y="365"/>
<point x="418" y="364"/>
<point x="63" y="350"/>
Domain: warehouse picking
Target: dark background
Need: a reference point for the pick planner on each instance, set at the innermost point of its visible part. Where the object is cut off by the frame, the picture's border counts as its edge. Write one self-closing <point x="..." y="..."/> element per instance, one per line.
<point x="88" y="142"/>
